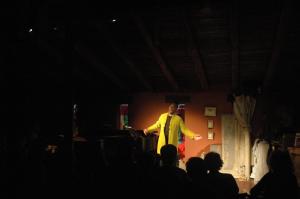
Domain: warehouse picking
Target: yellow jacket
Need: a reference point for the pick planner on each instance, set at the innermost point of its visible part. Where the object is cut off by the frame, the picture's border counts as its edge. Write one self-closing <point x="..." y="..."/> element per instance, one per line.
<point x="176" y="123"/>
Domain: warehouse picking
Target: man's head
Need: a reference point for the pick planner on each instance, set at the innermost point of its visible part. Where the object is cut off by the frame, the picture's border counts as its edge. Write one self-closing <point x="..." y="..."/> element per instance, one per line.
<point x="280" y="161"/>
<point x="196" y="167"/>
<point x="168" y="155"/>
<point x="213" y="161"/>
<point x="172" y="108"/>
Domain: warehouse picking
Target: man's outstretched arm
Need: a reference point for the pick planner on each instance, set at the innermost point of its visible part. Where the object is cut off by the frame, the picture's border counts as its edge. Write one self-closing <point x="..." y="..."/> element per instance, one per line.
<point x="188" y="132"/>
<point x="153" y="127"/>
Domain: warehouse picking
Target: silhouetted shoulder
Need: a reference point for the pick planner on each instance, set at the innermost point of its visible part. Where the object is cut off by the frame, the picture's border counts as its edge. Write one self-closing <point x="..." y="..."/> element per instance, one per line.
<point x="228" y="176"/>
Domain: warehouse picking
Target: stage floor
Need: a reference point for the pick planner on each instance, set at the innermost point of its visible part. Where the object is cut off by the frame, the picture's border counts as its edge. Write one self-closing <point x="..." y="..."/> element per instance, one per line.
<point x="245" y="186"/>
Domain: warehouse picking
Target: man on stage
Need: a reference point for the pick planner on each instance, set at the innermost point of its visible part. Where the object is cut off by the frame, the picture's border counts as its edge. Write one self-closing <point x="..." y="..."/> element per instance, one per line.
<point x="169" y="124"/>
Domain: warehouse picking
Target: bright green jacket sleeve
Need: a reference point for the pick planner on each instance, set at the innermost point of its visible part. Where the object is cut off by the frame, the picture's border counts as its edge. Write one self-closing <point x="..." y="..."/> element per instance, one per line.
<point x="176" y="123"/>
<point x="155" y="126"/>
<point x="185" y="130"/>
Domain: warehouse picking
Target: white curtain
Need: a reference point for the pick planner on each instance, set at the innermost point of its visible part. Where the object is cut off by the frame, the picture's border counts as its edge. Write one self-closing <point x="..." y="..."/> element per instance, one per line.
<point x="243" y="108"/>
<point x="260" y="154"/>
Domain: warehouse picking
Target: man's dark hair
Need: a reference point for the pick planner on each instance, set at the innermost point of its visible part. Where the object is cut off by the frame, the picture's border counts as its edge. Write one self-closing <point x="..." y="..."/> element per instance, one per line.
<point x="195" y="166"/>
<point x="213" y="161"/>
<point x="168" y="154"/>
<point x="280" y="161"/>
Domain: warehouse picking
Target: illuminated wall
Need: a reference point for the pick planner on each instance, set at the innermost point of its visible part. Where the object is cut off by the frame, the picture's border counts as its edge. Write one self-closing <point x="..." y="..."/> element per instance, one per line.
<point x="147" y="107"/>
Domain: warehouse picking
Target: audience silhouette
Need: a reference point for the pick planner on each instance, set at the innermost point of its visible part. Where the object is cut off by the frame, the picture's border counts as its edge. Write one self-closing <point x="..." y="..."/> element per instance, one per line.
<point x="224" y="185"/>
<point x="197" y="172"/>
<point x="280" y="181"/>
<point x="150" y="174"/>
<point x="171" y="180"/>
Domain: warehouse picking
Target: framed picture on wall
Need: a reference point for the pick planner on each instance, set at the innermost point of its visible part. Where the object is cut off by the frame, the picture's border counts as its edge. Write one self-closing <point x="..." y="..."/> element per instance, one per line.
<point x="210" y="135"/>
<point x="210" y="124"/>
<point x="210" y="111"/>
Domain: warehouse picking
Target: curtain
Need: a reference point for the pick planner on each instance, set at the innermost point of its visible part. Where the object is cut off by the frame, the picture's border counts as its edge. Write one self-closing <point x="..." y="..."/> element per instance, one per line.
<point x="229" y="144"/>
<point x="243" y="109"/>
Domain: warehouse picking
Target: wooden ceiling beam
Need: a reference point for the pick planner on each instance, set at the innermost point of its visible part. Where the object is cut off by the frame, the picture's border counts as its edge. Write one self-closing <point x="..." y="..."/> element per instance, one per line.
<point x="156" y="52"/>
<point x="234" y="36"/>
<point x="195" y="53"/>
<point x="124" y="56"/>
<point x="92" y="59"/>
<point x="279" y="40"/>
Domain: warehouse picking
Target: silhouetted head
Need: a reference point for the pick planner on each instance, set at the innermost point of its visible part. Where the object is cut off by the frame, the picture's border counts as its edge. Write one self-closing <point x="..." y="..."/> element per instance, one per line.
<point x="172" y="108"/>
<point x="213" y="161"/>
<point x="196" y="168"/>
<point x="168" y="155"/>
<point x="280" y="161"/>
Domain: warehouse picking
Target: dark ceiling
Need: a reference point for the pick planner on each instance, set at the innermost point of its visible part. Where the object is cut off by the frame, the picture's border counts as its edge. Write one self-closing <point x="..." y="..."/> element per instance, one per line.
<point x="189" y="46"/>
<point x="204" y="45"/>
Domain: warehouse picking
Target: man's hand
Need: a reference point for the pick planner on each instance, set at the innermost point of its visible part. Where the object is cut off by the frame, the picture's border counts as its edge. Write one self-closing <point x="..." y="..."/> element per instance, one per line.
<point x="146" y="131"/>
<point x="197" y="137"/>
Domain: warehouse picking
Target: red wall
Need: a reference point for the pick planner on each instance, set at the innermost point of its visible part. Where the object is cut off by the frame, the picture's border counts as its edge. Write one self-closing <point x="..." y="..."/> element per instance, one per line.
<point x="147" y="107"/>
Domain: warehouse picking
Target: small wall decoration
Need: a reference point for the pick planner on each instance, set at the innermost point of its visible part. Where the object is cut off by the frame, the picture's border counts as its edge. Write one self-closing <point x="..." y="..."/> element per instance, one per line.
<point x="210" y="111"/>
<point x="210" y="124"/>
<point x="210" y="135"/>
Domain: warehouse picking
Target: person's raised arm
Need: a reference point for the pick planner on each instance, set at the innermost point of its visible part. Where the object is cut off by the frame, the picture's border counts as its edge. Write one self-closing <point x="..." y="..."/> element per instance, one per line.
<point x="153" y="127"/>
<point x="188" y="132"/>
